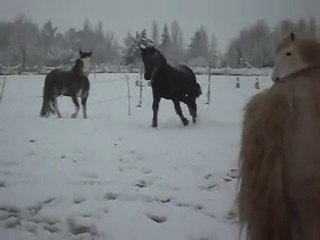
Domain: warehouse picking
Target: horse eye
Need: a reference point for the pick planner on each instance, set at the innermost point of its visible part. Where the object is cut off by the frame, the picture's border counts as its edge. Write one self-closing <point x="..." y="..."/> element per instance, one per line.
<point x="288" y="53"/>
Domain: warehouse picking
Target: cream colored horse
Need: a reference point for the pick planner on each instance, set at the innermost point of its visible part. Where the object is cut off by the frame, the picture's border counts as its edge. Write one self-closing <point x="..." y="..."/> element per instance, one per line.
<point x="279" y="194"/>
<point x="295" y="54"/>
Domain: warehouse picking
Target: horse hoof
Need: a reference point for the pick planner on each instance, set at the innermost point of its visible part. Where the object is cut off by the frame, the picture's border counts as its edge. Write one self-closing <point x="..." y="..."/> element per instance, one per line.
<point x="185" y="122"/>
<point x="154" y="125"/>
<point x="74" y="116"/>
<point x="194" y="121"/>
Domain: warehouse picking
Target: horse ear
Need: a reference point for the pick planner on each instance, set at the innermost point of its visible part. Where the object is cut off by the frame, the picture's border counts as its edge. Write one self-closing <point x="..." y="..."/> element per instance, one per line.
<point x="80" y="52"/>
<point x="143" y="47"/>
<point x="292" y="37"/>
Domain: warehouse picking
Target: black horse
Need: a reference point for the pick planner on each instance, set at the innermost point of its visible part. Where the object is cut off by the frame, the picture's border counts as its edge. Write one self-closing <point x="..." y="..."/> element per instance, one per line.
<point x="175" y="83"/>
<point x="73" y="83"/>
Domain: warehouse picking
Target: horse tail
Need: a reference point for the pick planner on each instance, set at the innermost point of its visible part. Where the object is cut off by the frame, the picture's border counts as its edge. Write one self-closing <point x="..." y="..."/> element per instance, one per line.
<point x="198" y="90"/>
<point x="46" y="108"/>
<point x="263" y="208"/>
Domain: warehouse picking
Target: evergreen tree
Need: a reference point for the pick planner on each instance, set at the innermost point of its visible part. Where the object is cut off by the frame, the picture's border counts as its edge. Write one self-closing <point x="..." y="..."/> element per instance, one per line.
<point x="155" y="33"/>
<point x="199" y="47"/>
<point x="165" y="40"/>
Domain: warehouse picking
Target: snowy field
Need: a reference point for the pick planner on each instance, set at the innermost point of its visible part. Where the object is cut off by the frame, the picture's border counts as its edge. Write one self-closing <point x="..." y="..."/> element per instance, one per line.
<point x="112" y="176"/>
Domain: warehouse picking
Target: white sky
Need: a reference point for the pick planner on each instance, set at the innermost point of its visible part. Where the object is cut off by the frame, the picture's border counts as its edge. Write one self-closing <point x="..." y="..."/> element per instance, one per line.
<point x="224" y="18"/>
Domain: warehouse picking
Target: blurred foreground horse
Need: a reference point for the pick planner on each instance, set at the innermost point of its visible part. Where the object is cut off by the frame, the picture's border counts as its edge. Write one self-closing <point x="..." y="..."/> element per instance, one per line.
<point x="279" y="195"/>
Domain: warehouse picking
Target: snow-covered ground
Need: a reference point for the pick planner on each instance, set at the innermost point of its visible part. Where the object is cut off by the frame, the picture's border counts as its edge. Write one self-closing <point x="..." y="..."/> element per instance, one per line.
<point x="112" y="176"/>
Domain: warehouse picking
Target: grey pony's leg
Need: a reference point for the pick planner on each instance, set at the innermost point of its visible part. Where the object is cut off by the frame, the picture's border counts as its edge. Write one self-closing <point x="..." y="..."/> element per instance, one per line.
<point x="84" y="105"/>
<point x="55" y="106"/>
<point x="76" y="103"/>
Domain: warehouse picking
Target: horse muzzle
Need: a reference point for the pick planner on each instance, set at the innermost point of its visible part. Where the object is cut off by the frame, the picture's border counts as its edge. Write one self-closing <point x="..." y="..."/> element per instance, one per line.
<point x="147" y="77"/>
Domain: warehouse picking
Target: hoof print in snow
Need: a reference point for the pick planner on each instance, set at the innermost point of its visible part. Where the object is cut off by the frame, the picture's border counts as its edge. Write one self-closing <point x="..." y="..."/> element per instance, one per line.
<point x="227" y="179"/>
<point x="163" y="200"/>
<point x="79" y="200"/>
<point x="5" y="173"/>
<point x="232" y="216"/>
<point x="111" y="196"/>
<point x="12" y="222"/>
<point x="51" y="228"/>
<point x="157" y="219"/>
<point x="209" y="187"/>
<point x="2" y="184"/>
<point x="63" y="156"/>
<point x="78" y="227"/>
<point x="142" y="184"/>
<point x="48" y="201"/>
<point x="197" y="207"/>
<point x="89" y="175"/>
<point x="131" y="152"/>
<point x="34" y="209"/>
<point x="10" y="210"/>
<point x="208" y="176"/>
<point x="233" y="173"/>
<point x="32" y="140"/>
<point x="181" y="204"/>
<point x="146" y="171"/>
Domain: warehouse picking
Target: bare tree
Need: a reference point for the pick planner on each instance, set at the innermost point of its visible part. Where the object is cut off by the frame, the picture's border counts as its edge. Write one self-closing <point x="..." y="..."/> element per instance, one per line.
<point x="25" y="34"/>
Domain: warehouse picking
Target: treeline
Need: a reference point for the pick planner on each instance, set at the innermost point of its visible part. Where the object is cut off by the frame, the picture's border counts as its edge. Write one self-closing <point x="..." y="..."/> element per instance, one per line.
<point x="24" y="42"/>
<point x="255" y="46"/>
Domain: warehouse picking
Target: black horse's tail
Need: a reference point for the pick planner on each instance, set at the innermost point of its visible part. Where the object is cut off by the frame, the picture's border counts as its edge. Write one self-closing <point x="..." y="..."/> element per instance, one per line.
<point x="46" y="109"/>
<point x="198" y="90"/>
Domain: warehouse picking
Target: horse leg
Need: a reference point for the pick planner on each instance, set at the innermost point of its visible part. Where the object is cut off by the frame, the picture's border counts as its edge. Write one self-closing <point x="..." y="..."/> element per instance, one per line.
<point x="76" y="103"/>
<point x="84" y="106"/>
<point x="155" y="108"/>
<point x="192" y="106"/>
<point x="55" y="106"/>
<point x="179" y="112"/>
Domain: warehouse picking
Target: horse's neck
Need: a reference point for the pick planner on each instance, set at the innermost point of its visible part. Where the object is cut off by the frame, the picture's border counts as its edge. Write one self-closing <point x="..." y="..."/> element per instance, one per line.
<point x="76" y="70"/>
<point x="164" y="69"/>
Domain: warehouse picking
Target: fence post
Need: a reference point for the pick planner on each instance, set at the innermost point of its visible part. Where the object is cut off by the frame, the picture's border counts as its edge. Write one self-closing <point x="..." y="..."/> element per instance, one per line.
<point x="257" y="84"/>
<point x="238" y="83"/>
<point x="209" y="85"/>
<point x="129" y="95"/>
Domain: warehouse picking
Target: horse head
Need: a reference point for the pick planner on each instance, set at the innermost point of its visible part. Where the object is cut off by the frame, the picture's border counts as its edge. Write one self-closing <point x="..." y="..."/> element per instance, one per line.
<point x="294" y="54"/>
<point x="152" y="59"/>
<point x="86" y="58"/>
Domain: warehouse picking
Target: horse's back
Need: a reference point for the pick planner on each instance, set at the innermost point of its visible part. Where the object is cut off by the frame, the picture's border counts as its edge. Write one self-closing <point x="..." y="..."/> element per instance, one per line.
<point x="187" y="71"/>
<point x="67" y="82"/>
<point x="184" y="80"/>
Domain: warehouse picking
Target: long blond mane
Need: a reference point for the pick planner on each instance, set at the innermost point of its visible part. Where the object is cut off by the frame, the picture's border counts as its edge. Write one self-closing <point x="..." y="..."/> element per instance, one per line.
<point x="279" y="194"/>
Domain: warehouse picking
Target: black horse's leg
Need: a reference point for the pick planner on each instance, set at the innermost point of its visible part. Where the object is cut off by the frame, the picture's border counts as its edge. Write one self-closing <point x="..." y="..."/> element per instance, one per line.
<point x="192" y="106"/>
<point x="76" y="103"/>
<point x="179" y="112"/>
<point x="155" y="108"/>
<point x="84" y="106"/>
<point x="55" y="106"/>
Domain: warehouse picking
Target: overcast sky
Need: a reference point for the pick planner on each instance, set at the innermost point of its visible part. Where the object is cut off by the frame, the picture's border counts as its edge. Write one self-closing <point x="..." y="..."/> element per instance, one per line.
<point x="224" y="18"/>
